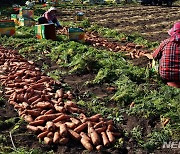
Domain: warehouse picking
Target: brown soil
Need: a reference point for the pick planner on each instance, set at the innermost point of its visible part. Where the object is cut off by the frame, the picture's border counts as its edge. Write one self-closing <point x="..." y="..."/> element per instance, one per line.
<point x="152" y="22"/>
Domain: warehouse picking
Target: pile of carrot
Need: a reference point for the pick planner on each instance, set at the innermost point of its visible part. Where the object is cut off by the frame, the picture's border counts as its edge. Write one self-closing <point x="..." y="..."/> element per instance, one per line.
<point x="49" y="114"/>
<point x="133" y="50"/>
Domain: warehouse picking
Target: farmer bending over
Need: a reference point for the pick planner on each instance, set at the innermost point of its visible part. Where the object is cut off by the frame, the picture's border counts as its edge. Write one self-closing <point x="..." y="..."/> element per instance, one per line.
<point x="50" y="17"/>
<point x="168" y="55"/>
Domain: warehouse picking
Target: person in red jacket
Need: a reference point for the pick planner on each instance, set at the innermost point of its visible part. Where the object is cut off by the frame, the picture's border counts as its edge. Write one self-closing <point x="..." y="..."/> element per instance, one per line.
<point x="50" y="17"/>
<point x="168" y="55"/>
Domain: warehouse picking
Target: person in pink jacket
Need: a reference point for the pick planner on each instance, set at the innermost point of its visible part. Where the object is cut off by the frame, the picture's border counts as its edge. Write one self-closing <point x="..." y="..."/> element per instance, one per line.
<point x="50" y="17"/>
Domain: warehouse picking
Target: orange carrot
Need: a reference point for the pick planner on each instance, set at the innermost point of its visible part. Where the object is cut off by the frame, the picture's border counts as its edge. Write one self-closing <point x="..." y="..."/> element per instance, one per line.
<point x="28" y="118"/>
<point x="9" y="92"/>
<point x="74" y="135"/>
<point x="59" y="108"/>
<point x="49" y="111"/>
<point x="32" y="128"/>
<point x="60" y="101"/>
<point x="32" y="99"/>
<point x="110" y="136"/>
<point x="25" y="105"/>
<point x="20" y="90"/>
<point x="80" y="127"/>
<point x="166" y="121"/>
<point x="26" y="96"/>
<point x="48" y="116"/>
<point x="38" y="92"/>
<point x="13" y="96"/>
<point x="74" y="110"/>
<point x="74" y="120"/>
<point x="99" y="147"/>
<point x="42" y="128"/>
<point x="54" y="101"/>
<point x="83" y="135"/>
<point x="61" y="117"/>
<point x="110" y="128"/>
<point x="63" y="140"/>
<point x="43" y="112"/>
<point x="109" y="122"/>
<point x="94" y="118"/>
<point x="70" y="96"/>
<point x="43" y="105"/>
<point x="70" y="103"/>
<point x="33" y="112"/>
<point x="47" y="140"/>
<point x="89" y="126"/>
<point x="38" y="85"/>
<point x="70" y="125"/>
<point x="12" y="102"/>
<point x="36" y="101"/>
<point x="50" y="134"/>
<point x="60" y="93"/>
<point x="94" y="136"/>
<point x="101" y="129"/>
<point x="57" y="124"/>
<point x="82" y="117"/>
<point x="86" y="144"/>
<point x="43" y="80"/>
<point x="43" y="134"/>
<point x="46" y="98"/>
<point x="50" y="126"/>
<point x="56" y="137"/>
<point x="99" y="124"/>
<point x="36" y="122"/>
<point x="64" y="96"/>
<point x="20" y="97"/>
<point x="105" y="139"/>
<point x="63" y="130"/>
<point x="17" y="106"/>
<point x="132" y="105"/>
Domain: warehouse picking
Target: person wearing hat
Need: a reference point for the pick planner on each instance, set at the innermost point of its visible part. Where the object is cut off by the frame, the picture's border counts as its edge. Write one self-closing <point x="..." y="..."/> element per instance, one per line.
<point x="168" y="55"/>
<point x="50" y="17"/>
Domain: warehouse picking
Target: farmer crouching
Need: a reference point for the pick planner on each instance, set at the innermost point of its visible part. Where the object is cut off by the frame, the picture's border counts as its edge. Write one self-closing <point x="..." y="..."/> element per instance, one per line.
<point x="168" y="55"/>
<point x="50" y="17"/>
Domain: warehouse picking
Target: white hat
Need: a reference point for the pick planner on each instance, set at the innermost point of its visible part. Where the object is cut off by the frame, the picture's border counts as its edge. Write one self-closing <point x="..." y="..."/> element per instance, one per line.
<point x="52" y="9"/>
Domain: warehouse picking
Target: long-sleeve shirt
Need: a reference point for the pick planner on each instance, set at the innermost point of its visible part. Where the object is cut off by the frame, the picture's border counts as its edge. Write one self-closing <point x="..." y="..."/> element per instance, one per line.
<point x="168" y="54"/>
<point x="51" y="18"/>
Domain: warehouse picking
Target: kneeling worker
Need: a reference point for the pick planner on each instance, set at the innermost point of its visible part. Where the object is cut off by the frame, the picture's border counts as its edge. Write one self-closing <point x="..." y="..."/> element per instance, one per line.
<point x="50" y="17"/>
<point x="168" y="55"/>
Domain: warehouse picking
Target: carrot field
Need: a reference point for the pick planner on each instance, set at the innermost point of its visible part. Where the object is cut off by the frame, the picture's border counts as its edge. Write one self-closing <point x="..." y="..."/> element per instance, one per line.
<point x="97" y="96"/>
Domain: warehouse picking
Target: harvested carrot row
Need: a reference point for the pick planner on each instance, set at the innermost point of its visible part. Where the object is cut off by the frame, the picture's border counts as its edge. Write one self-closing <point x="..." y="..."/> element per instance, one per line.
<point x="49" y="113"/>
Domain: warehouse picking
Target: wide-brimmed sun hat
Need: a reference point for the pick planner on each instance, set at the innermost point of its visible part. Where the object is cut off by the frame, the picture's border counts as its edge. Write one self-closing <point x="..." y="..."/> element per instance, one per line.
<point x="52" y="9"/>
<point x="175" y="29"/>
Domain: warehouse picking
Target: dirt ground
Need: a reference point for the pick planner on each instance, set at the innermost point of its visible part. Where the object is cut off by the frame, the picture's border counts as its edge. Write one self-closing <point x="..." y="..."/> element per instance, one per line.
<point x="152" y="22"/>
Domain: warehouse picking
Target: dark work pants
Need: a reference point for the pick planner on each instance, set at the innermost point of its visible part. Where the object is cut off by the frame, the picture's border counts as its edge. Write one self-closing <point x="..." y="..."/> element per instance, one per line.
<point x="43" y="20"/>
